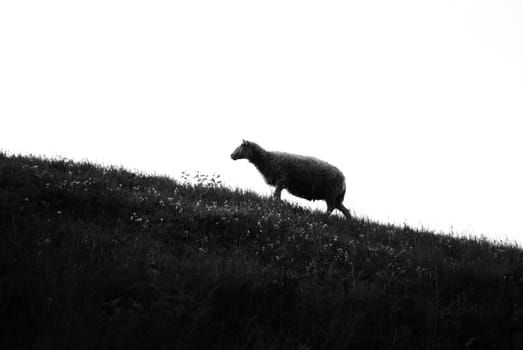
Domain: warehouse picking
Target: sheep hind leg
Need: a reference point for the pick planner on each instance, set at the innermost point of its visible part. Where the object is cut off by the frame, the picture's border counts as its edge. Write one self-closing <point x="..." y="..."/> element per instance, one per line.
<point x="339" y="205"/>
<point x="344" y="210"/>
<point x="330" y="208"/>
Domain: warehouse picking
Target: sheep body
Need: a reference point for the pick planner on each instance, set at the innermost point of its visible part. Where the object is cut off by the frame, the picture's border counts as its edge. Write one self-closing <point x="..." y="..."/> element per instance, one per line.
<point x="302" y="176"/>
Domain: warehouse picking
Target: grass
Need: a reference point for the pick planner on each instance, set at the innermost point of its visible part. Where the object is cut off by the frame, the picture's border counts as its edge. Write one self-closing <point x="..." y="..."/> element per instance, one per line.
<point x="102" y="258"/>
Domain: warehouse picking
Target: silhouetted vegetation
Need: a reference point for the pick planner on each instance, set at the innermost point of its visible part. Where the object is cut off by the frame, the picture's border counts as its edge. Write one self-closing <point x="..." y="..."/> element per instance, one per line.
<point x="101" y="258"/>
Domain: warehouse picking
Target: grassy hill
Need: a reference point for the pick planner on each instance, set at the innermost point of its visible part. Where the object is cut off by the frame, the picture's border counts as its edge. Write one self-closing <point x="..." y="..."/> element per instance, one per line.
<point x="102" y="258"/>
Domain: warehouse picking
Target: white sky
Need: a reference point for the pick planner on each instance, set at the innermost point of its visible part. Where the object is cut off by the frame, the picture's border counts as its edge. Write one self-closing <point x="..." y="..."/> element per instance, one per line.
<point x="418" y="102"/>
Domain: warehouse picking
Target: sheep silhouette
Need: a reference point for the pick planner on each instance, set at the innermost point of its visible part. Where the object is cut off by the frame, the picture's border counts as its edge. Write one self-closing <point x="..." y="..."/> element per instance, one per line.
<point x="305" y="177"/>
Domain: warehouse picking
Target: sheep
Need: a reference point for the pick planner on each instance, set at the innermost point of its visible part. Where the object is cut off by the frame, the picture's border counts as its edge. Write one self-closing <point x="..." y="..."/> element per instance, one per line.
<point x="305" y="177"/>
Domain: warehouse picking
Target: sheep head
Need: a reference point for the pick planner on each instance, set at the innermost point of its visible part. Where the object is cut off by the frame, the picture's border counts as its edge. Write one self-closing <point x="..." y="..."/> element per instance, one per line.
<point x="244" y="151"/>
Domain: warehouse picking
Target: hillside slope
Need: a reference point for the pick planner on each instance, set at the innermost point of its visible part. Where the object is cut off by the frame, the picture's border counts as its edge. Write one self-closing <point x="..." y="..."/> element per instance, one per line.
<point x="101" y="258"/>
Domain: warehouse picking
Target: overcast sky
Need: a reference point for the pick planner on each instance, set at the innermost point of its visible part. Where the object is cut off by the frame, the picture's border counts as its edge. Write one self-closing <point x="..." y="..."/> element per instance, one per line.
<point x="419" y="103"/>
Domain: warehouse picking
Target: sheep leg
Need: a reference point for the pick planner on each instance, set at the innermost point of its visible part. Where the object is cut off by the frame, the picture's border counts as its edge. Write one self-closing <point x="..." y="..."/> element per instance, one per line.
<point x="330" y="208"/>
<point x="277" y="192"/>
<point x="344" y="210"/>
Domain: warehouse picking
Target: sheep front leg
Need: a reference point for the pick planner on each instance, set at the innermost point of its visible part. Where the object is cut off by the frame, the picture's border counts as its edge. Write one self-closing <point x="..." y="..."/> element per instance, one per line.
<point x="277" y="192"/>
